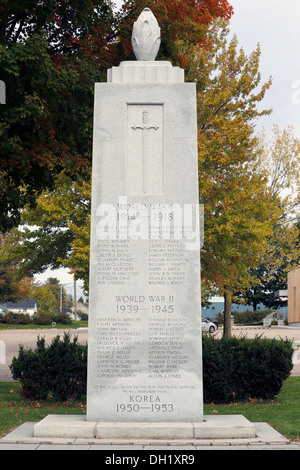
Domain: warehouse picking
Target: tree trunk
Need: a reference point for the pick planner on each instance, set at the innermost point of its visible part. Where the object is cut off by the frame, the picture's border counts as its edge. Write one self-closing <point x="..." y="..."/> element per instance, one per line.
<point x="227" y="314"/>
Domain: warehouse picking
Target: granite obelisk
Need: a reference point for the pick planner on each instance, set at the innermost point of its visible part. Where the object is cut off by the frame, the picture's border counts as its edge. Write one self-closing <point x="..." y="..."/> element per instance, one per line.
<point x="144" y="346"/>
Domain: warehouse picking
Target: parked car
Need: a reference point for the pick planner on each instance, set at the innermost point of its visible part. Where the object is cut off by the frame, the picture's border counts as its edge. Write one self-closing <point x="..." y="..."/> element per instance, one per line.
<point x="208" y="325"/>
<point x="214" y="322"/>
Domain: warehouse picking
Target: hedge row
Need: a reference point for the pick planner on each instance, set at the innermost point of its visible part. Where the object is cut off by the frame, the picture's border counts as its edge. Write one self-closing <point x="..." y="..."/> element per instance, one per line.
<point x="233" y="369"/>
<point x="11" y="318"/>
<point x="249" y="317"/>
<point x="239" y="368"/>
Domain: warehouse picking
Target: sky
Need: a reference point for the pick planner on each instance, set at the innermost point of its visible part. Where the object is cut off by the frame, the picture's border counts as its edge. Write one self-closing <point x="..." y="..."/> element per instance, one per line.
<point x="275" y="24"/>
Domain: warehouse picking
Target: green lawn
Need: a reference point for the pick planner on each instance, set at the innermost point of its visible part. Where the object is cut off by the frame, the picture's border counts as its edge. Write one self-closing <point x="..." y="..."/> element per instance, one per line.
<point x="16" y="410"/>
<point x="283" y="414"/>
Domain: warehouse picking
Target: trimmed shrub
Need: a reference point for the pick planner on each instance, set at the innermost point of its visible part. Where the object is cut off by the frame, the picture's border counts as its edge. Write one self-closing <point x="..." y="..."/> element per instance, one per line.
<point x="239" y="368"/>
<point x="11" y="318"/>
<point x="60" y="368"/>
<point x="83" y="316"/>
<point x="234" y="369"/>
<point x="67" y="368"/>
<point x="46" y="318"/>
<point x="43" y="318"/>
<point x="63" y="318"/>
<point x="30" y="369"/>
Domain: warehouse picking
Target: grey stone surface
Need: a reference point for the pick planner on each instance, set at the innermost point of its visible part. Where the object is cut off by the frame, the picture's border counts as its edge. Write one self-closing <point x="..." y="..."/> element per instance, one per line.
<point x="22" y="439"/>
<point x="145" y="350"/>
<point x="213" y="427"/>
<point x="60" y="426"/>
<point x="268" y="432"/>
<point x="224" y="427"/>
<point x="21" y="432"/>
<point x="148" y="72"/>
<point x="63" y="447"/>
<point x="145" y="430"/>
<point x="168" y="448"/>
<point x="117" y="447"/>
<point x="18" y="446"/>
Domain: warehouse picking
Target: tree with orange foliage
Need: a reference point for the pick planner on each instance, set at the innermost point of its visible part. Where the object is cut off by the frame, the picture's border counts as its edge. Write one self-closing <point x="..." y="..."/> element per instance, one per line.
<point x="51" y="54"/>
<point x="180" y="20"/>
<point x="12" y="286"/>
<point x="238" y="207"/>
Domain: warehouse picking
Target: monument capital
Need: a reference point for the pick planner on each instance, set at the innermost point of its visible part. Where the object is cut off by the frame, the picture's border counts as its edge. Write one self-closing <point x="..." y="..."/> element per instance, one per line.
<point x="145" y="356"/>
<point x="145" y="70"/>
<point x="146" y="36"/>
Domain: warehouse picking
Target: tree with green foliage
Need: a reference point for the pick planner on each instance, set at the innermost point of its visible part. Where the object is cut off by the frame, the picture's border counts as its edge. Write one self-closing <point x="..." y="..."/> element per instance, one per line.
<point x="13" y="286"/>
<point x="55" y="53"/>
<point x="280" y="161"/>
<point x="282" y="255"/>
<point x="46" y="300"/>
<point x="239" y="212"/>
<point x="181" y="21"/>
<point x="51" y="54"/>
<point x="54" y="234"/>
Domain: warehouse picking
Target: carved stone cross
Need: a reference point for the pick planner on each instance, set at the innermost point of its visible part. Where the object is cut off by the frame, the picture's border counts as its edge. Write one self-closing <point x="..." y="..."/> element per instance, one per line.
<point x="145" y="127"/>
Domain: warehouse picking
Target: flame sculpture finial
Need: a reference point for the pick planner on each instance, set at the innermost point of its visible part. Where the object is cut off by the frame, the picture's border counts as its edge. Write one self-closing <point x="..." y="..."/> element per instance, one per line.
<point x="146" y="36"/>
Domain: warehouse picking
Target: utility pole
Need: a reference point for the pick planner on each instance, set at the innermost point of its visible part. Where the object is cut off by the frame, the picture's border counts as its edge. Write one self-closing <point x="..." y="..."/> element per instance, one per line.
<point x="75" y="299"/>
<point x="60" y="304"/>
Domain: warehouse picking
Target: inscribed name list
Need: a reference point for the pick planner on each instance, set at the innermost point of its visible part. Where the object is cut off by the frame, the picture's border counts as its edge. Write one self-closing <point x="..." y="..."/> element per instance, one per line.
<point x="145" y="306"/>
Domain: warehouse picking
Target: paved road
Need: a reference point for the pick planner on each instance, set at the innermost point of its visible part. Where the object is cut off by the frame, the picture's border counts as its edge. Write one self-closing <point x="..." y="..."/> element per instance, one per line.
<point x="12" y="338"/>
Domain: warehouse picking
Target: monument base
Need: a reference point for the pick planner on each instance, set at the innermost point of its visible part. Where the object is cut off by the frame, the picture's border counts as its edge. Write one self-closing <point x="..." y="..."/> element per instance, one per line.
<point x="212" y="427"/>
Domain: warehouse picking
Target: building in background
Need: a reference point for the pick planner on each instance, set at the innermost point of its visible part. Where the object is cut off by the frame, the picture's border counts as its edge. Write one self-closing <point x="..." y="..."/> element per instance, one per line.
<point x="28" y="306"/>
<point x="294" y="297"/>
<point x="217" y="306"/>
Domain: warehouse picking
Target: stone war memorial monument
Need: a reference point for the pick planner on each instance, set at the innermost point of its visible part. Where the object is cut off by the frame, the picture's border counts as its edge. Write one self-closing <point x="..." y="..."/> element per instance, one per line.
<point x="144" y="344"/>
